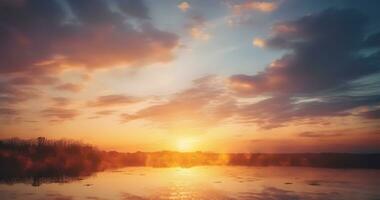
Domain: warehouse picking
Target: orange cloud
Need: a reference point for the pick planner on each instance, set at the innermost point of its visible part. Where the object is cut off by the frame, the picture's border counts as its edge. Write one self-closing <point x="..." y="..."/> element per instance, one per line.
<point x="112" y="100"/>
<point x="102" y="113"/>
<point x="8" y="112"/>
<point x="244" y="13"/>
<point x="61" y="101"/>
<point x="196" y="28"/>
<point x="184" y="6"/>
<point x="28" y="79"/>
<point x="199" y="33"/>
<point x="69" y="87"/>
<point x="108" y="40"/>
<point x="105" y="112"/>
<point x="204" y="104"/>
<point x="258" y="42"/>
<point x="106" y="46"/>
<point x="9" y="94"/>
<point x="59" y="114"/>
<point x="262" y="6"/>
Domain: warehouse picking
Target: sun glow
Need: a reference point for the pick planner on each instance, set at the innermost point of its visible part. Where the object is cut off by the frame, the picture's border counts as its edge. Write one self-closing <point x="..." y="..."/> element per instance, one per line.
<point x="185" y="144"/>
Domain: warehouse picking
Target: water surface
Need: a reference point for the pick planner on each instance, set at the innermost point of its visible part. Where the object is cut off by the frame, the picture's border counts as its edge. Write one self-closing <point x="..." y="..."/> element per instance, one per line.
<point x="208" y="182"/>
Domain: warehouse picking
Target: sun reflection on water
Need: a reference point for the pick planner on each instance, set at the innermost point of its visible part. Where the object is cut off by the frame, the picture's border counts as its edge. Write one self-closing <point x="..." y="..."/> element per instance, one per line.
<point x="211" y="182"/>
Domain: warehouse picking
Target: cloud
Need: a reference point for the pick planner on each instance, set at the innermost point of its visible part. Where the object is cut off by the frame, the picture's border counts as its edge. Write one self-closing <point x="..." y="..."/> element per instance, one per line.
<point x="320" y="76"/>
<point x="196" y="27"/>
<point x="82" y="33"/>
<point x="59" y="114"/>
<point x="184" y="6"/>
<point x="254" y="5"/>
<point x="257" y="42"/>
<point x="134" y="8"/>
<point x="321" y="134"/>
<point x="69" y="87"/>
<point x="41" y="39"/>
<point x="8" y="112"/>
<point x="105" y="112"/>
<point x="102" y="113"/>
<point x="371" y="114"/>
<point x="324" y="54"/>
<point x="373" y="40"/>
<point x="10" y="94"/>
<point x="277" y="111"/>
<point x="61" y="101"/>
<point x="199" y="34"/>
<point x="112" y="100"/>
<point x="209" y="102"/>
<point x="33" y="80"/>
<point x="249" y="12"/>
<point x="203" y="104"/>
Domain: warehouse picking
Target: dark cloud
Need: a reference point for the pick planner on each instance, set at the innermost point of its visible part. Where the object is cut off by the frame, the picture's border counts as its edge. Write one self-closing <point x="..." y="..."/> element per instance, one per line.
<point x="318" y="76"/>
<point x="40" y="38"/>
<point x="45" y="34"/>
<point x="8" y="112"/>
<point x="112" y="100"/>
<point x="135" y="8"/>
<point x="10" y="115"/>
<point x="371" y="114"/>
<point x="277" y="111"/>
<point x="210" y="101"/>
<point x="324" y="53"/>
<point x="10" y="94"/>
<point x="373" y="40"/>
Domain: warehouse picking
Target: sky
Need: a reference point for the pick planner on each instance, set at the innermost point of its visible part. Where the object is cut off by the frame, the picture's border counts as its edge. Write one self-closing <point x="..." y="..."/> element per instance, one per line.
<point x="220" y="76"/>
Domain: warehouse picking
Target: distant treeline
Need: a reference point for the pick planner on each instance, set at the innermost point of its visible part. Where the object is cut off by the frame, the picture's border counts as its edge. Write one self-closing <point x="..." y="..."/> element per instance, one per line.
<point x="39" y="159"/>
<point x="63" y="160"/>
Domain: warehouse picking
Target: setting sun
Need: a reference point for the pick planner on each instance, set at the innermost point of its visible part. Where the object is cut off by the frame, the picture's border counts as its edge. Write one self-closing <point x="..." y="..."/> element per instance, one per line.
<point x="189" y="99"/>
<point x="185" y="144"/>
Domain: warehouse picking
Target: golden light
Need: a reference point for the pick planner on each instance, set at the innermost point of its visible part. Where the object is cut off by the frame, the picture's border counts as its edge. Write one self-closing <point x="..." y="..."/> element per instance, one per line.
<point x="185" y="144"/>
<point x="258" y="42"/>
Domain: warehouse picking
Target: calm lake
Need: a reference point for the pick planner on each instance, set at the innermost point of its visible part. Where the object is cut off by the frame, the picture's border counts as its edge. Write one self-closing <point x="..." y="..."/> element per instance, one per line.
<point x="208" y="182"/>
